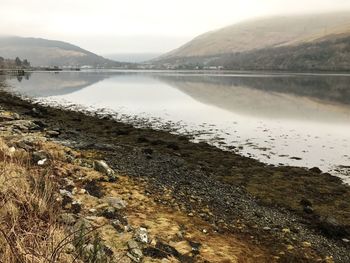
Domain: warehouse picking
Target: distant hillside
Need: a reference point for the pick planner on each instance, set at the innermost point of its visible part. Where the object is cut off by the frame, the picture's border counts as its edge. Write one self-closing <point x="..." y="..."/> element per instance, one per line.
<point x="296" y="42"/>
<point x="43" y="52"/>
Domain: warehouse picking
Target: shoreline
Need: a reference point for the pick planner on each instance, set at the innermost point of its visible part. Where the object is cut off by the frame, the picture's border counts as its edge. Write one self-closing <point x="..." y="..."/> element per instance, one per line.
<point x="234" y="194"/>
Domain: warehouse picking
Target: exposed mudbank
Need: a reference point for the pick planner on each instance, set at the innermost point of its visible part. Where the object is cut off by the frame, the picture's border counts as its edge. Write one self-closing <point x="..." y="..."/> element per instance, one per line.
<point x="298" y="215"/>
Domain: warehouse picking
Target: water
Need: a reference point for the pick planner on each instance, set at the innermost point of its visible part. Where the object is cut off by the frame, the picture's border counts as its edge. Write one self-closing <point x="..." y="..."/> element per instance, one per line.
<point x="294" y="119"/>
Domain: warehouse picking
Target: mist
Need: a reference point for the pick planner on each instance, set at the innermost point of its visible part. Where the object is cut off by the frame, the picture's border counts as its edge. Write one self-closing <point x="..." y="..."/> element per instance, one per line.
<point x="137" y="26"/>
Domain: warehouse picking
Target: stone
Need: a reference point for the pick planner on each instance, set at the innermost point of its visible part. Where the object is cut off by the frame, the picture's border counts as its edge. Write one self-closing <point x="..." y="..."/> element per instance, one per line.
<point x="345" y="240"/>
<point x="102" y="167"/>
<point x="331" y="227"/>
<point x="306" y="244"/>
<point x="67" y="197"/>
<point x="266" y="228"/>
<point x="53" y="134"/>
<point x="141" y="235"/>
<point x="108" y="212"/>
<point x="42" y="162"/>
<point x="116" y="202"/>
<point x="132" y="244"/>
<point x="68" y="184"/>
<point x="305" y="202"/>
<point x="76" y="207"/>
<point x="308" y="209"/>
<point x="8" y="116"/>
<point x="315" y="170"/>
<point x="39" y="156"/>
<point x="134" y="258"/>
<point x="286" y="230"/>
<point x="118" y="226"/>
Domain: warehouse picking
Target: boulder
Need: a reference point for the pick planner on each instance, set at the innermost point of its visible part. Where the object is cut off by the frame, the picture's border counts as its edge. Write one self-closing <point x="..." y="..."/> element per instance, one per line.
<point x="116" y="202"/>
<point x="141" y="235"/>
<point x="102" y="167"/>
<point x="8" y="116"/>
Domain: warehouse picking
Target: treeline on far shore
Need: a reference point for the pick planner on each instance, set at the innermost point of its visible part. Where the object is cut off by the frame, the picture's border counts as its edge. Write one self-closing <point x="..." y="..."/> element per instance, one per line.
<point x="14" y="63"/>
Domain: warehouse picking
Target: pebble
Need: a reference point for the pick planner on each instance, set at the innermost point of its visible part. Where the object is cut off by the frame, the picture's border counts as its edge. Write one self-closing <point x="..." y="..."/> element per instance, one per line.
<point x="306" y="244"/>
<point x="286" y="230"/>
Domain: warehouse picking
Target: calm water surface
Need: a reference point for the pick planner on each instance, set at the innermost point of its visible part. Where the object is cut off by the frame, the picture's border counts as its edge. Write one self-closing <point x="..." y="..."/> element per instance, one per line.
<point x="295" y="119"/>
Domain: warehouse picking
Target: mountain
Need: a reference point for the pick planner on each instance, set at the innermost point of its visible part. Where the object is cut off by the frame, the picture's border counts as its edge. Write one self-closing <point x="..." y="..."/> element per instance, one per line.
<point x="303" y="42"/>
<point x="43" y="52"/>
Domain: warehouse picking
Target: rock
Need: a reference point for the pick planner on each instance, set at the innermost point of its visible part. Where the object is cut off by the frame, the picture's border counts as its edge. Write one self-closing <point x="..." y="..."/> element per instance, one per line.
<point x="290" y="247"/>
<point x="308" y="209"/>
<point x="305" y="202"/>
<point x="39" y="156"/>
<point x="118" y="226"/>
<point x="142" y="140"/>
<point x="195" y="247"/>
<point x="169" y="250"/>
<point x="67" y="197"/>
<point x="102" y="166"/>
<point x="306" y="244"/>
<point x="148" y="151"/>
<point x="67" y="219"/>
<point x="132" y="244"/>
<point x="315" y="170"/>
<point x="141" y="235"/>
<point x="68" y="184"/>
<point x="108" y="212"/>
<point x="8" y="116"/>
<point x="76" y="207"/>
<point x="345" y="240"/>
<point x="25" y="125"/>
<point x="266" y="228"/>
<point x="53" y="134"/>
<point x="42" y="162"/>
<point x="331" y="227"/>
<point x="116" y="202"/>
<point x="173" y="146"/>
<point x="94" y="189"/>
<point x="286" y="230"/>
<point x="136" y="255"/>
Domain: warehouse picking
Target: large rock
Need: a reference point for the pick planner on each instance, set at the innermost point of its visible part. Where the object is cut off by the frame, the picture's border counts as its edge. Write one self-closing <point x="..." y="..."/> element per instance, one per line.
<point x="102" y="166"/>
<point x="141" y="235"/>
<point x="8" y="116"/>
<point x="116" y="202"/>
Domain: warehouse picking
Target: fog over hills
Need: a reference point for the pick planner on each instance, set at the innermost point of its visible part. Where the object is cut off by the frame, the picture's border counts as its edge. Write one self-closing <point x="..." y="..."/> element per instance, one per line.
<point x="43" y="52"/>
<point x="317" y="41"/>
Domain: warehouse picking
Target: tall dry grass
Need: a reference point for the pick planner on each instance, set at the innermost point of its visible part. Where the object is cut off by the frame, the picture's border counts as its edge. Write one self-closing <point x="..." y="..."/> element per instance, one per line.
<point x="29" y="231"/>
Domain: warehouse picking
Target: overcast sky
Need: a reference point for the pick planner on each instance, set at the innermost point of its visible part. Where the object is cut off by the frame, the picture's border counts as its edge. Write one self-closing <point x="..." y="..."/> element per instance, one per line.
<point x="127" y="26"/>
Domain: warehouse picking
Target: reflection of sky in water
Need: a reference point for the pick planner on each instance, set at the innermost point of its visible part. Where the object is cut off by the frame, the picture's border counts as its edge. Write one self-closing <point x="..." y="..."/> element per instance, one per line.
<point x="270" y="125"/>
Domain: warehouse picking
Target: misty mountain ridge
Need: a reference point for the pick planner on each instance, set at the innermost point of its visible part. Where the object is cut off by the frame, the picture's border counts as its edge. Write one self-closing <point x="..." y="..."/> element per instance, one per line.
<point x="43" y="52"/>
<point x="300" y="42"/>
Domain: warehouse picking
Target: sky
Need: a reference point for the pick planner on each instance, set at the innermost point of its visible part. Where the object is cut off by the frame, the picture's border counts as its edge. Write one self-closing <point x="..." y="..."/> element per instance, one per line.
<point x="140" y="26"/>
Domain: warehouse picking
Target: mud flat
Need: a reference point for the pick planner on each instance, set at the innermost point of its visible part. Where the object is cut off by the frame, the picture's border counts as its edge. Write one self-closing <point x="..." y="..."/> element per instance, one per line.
<point x="289" y="214"/>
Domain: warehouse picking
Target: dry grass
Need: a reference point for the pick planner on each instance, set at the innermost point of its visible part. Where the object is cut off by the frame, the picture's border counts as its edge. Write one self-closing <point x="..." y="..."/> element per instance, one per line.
<point x="29" y="231"/>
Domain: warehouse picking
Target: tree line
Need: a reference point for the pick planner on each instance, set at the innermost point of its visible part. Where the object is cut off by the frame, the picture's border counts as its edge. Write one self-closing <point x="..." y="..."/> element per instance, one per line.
<point x="14" y="63"/>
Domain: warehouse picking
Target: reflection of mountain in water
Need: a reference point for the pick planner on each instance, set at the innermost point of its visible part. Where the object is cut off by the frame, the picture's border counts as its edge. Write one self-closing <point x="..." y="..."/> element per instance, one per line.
<point x="300" y="97"/>
<point x="53" y="84"/>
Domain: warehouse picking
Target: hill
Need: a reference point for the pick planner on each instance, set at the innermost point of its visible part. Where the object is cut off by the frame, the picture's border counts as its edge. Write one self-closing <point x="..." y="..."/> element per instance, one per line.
<point x="43" y="52"/>
<point x="288" y="43"/>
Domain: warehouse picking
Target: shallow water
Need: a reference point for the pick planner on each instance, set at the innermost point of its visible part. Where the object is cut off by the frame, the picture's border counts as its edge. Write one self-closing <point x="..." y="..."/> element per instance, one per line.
<point x="295" y="119"/>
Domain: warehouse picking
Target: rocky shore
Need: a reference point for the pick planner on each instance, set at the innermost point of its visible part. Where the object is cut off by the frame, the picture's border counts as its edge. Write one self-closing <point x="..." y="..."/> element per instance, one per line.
<point x="156" y="197"/>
